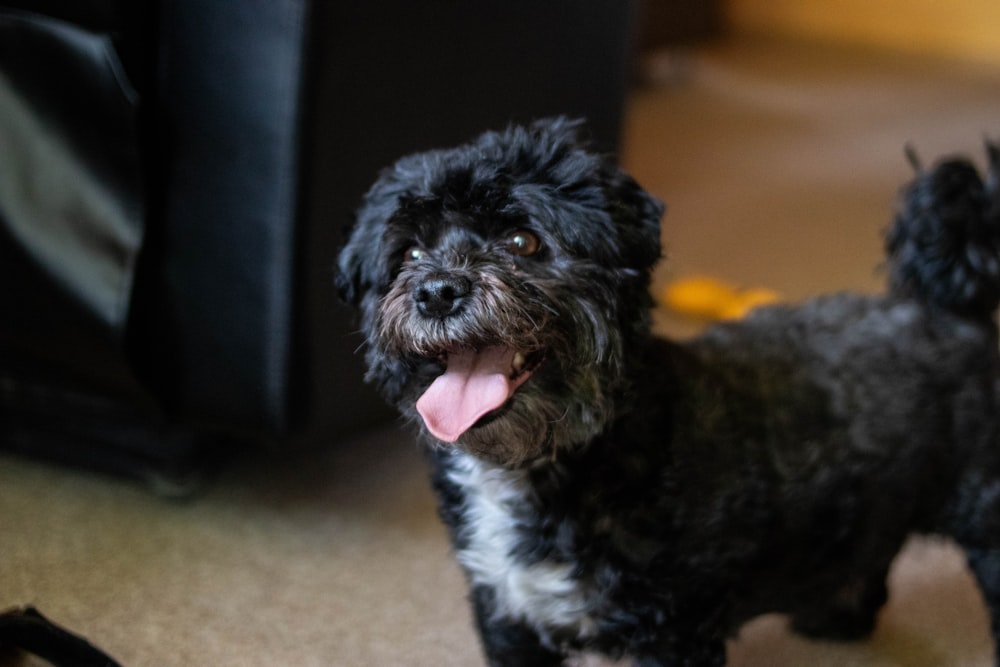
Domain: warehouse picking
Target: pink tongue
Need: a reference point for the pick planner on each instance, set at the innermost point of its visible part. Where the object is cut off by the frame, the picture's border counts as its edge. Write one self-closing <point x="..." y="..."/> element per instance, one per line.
<point x="474" y="384"/>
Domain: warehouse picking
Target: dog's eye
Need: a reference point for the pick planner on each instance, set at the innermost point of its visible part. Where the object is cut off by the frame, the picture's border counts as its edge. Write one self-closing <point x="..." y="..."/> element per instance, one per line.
<point x="413" y="254"/>
<point x="523" y="243"/>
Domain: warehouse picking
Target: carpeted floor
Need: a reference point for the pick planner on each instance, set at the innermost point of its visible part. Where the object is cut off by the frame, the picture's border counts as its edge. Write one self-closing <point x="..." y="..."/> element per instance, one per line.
<point x="779" y="162"/>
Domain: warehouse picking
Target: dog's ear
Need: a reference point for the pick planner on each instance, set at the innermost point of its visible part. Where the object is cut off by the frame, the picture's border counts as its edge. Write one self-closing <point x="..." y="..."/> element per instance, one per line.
<point x="354" y="265"/>
<point x="636" y="215"/>
<point x="361" y="266"/>
<point x="349" y="279"/>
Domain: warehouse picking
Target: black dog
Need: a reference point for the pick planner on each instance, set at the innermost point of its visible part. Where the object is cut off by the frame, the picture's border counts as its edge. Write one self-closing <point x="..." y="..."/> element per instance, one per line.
<point x="611" y="492"/>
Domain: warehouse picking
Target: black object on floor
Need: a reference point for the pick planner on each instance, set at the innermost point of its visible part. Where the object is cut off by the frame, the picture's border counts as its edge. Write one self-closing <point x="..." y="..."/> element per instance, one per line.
<point x="27" y="630"/>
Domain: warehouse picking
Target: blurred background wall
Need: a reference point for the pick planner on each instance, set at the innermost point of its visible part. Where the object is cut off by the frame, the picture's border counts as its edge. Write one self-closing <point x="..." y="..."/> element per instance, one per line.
<point x="960" y="28"/>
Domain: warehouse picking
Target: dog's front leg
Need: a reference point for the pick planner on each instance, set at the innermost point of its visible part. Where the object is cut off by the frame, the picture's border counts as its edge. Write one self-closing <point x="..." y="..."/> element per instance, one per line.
<point x="509" y="643"/>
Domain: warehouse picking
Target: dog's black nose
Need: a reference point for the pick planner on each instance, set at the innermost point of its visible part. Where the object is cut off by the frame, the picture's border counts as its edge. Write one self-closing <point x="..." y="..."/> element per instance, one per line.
<point x="441" y="296"/>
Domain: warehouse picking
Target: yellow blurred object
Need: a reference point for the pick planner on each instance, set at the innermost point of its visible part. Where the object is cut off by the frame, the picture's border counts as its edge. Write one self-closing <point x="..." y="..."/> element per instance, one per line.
<point x="707" y="298"/>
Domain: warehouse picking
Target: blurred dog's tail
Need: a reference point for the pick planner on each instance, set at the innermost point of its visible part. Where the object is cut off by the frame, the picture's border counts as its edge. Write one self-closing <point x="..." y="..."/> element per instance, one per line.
<point x="944" y="244"/>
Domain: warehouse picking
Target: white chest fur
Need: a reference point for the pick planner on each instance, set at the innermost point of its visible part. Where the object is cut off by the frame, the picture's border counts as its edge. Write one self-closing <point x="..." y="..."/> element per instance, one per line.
<point x="544" y="594"/>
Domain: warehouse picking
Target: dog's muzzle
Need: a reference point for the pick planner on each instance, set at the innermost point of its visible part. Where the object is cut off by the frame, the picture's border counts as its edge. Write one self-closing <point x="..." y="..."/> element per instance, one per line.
<point x="479" y="373"/>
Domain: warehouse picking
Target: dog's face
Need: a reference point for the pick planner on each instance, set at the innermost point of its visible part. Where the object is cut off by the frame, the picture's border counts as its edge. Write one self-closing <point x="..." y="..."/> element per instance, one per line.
<point x="500" y="284"/>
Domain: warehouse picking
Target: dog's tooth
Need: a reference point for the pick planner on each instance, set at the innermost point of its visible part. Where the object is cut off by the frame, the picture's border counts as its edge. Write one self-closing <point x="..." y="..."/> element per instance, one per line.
<point x="518" y="363"/>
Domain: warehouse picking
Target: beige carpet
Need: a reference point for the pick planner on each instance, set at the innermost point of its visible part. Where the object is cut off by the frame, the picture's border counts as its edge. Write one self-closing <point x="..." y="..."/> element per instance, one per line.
<point x="779" y="163"/>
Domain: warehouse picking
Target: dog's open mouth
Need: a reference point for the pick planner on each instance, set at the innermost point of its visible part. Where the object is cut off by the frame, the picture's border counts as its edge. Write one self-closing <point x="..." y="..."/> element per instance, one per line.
<point x="475" y="384"/>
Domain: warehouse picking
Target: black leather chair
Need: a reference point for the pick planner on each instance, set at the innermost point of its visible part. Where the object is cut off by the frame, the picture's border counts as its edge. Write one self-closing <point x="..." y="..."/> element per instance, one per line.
<point x="175" y="178"/>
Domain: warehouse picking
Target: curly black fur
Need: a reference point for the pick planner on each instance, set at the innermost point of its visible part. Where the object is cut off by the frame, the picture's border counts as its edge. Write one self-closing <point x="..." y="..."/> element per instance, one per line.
<point x="637" y="497"/>
<point x="944" y="246"/>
